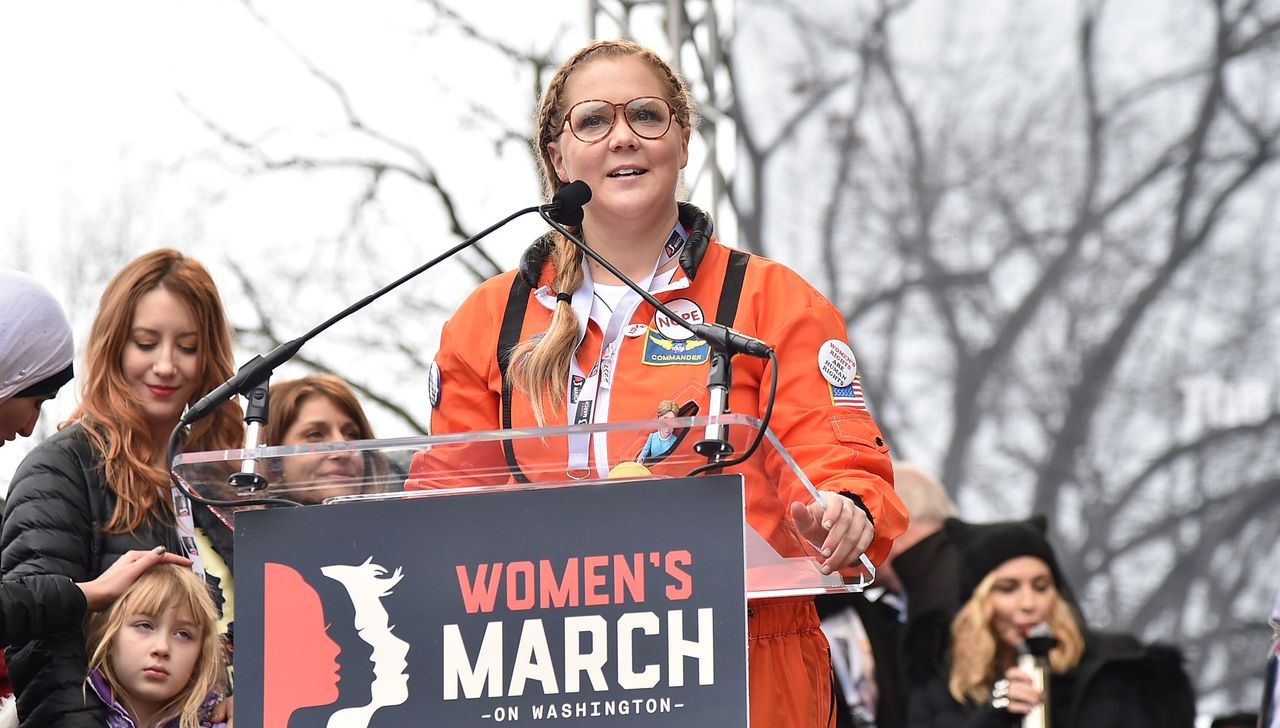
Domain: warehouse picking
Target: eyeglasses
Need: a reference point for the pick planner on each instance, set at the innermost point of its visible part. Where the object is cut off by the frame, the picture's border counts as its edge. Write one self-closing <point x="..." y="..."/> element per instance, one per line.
<point x="591" y="120"/>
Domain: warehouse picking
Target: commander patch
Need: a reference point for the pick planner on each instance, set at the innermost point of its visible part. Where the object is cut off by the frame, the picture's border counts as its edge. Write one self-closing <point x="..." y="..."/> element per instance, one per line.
<point x="660" y="350"/>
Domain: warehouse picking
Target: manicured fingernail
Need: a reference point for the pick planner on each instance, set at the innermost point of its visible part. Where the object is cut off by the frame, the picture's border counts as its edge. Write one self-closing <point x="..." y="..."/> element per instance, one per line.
<point x="826" y="524"/>
<point x="159" y="550"/>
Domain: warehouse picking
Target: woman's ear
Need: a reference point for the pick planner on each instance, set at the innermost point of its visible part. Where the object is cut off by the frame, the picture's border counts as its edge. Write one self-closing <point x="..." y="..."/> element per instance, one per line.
<point x="684" y="146"/>
<point x="557" y="161"/>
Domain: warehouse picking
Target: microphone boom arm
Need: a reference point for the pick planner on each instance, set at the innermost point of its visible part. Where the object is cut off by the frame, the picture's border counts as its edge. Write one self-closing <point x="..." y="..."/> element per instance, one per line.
<point x="257" y="371"/>
<point x="724" y="341"/>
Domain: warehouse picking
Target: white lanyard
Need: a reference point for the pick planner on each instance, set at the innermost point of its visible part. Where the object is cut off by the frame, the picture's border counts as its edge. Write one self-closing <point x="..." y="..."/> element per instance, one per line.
<point x="585" y="388"/>
<point x="187" y="531"/>
<point x="589" y="392"/>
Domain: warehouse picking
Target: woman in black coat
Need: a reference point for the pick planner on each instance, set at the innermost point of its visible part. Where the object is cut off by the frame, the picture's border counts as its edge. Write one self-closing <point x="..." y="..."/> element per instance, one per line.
<point x="38" y="604"/>
<point x="99" y="488"/>
<point x="1010" y="583"/>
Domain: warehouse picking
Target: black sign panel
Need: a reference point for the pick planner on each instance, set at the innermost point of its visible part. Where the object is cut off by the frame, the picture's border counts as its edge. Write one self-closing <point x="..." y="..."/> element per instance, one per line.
<point x="608" y="604"/>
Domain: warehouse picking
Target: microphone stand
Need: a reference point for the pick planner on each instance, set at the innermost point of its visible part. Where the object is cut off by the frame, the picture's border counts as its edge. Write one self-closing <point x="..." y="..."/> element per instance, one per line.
<point x="715" y="445"/>
<point x="724" y="342"/>
<point x="249" y="480"/>
<point x="252" y="379"/>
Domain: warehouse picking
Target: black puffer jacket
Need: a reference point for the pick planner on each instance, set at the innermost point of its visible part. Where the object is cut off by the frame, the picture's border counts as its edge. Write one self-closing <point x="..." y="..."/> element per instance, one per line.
<point x="58" y="503"/>
<point x="36" y="604"/>
<point x="1119" y="684"/>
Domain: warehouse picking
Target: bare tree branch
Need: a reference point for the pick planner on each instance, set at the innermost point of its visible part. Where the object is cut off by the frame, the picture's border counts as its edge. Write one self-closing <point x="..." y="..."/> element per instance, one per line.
<point x="266" y="331"/>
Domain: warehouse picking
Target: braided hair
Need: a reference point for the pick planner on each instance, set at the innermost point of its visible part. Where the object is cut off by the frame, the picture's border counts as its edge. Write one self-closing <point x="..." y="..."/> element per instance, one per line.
<point x="540" y="367"/>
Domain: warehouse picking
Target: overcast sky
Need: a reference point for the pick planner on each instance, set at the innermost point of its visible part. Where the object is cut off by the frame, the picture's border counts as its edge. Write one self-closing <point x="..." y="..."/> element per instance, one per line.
<point x="97" y="143"/>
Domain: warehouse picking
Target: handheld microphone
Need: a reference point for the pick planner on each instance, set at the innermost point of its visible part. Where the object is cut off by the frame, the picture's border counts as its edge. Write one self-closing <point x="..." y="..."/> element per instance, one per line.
<point x="1033" y="659"/>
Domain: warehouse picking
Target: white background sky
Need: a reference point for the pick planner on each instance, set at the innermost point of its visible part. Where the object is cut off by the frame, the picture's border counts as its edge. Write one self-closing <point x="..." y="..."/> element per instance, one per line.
<point x="96" y="143"/>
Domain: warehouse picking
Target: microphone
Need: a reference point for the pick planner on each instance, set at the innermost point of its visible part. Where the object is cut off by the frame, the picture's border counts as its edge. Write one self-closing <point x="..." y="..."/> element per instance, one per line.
<point x="724" y="341"/>
<point x="246" y="378"/>
<point x="257" y="371"/>
<point x="566" y="209"/>
<point x="566" y="205"/>
<point x="1033" y="659"/>
<point x="260" y="367"/>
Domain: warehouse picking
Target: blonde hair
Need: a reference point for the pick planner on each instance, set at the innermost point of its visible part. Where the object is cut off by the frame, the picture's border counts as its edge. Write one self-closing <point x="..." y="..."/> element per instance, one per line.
<point x="162" y="588"/>
<point x="540" y="367"/>
<point x="111" y="413"/>
<point x="974" y="646"/>
<point x="668" y="405"/>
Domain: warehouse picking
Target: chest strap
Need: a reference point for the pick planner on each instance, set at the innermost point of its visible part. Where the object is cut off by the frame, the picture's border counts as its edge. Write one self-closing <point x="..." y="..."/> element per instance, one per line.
<point x="513" y="321"/>
<point x="734" y="274"/>
<point x="508" y="338"/>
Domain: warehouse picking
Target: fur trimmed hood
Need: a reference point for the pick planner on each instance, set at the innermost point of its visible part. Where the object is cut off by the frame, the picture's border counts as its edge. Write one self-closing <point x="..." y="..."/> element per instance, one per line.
<point x="694" y="220"/>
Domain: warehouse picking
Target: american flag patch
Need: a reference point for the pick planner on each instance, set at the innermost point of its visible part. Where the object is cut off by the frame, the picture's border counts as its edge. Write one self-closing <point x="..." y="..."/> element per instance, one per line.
<point x="850" y="396"/>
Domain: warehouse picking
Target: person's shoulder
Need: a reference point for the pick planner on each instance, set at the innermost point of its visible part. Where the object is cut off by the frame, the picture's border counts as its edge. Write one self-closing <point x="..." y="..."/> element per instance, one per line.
<point x="773" y="295"/>
<point x="1112" y="646"/>
<point x="930" y="697"/>
<point x="757" y="263"/>
<point x="771" y="275"/>
<point x="481" y="312"/>
<point x="501" y="282"/>
<point x="1151" y="679"/>
<point x="69" y="449"/>
<point x="74" y="436"/>
<point x="490" y="293"/>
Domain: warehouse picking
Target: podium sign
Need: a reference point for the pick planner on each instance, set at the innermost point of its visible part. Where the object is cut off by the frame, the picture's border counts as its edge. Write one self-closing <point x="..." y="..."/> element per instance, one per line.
<point x="606" y="604"/>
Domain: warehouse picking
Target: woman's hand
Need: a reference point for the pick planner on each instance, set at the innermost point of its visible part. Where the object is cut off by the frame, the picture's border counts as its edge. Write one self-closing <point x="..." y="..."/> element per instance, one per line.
<point x="118" y="577"/>
<point x="1016" y="693"/>
<point x="841" y="530"/>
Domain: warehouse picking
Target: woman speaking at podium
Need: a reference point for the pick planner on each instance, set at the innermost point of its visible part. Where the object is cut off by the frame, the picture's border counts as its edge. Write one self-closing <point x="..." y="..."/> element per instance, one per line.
<point x="586" y="349"/>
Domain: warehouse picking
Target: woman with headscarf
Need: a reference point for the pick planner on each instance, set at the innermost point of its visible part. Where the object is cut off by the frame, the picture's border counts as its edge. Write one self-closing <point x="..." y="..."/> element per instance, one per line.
<point x="35" y="352"/>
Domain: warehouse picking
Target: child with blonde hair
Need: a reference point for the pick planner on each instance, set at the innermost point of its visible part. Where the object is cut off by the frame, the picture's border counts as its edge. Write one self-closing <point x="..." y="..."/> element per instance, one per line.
<point x="155" y="658"/>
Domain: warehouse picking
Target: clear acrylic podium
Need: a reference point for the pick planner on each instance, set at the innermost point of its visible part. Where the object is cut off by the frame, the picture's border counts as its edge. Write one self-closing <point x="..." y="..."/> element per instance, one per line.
<point x="779" y="562"/>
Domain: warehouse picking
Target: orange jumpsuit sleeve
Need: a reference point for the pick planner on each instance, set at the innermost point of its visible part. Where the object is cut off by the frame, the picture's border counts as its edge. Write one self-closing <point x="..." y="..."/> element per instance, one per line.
<point x="468" y="402"/>
<point x="840" y="448"/>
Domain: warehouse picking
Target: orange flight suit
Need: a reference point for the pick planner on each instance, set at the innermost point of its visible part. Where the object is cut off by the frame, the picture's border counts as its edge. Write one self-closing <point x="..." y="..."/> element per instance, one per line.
<point x="839" y="446"/>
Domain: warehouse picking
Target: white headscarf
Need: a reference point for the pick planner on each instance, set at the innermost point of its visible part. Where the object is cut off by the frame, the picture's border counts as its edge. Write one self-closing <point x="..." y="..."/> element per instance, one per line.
<point x="35" y="338"/>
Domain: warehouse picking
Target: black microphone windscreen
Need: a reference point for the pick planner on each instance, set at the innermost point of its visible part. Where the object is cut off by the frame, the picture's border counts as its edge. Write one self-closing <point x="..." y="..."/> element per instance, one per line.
<point x="1040" y="640"/>
<point x="566" y="205"/>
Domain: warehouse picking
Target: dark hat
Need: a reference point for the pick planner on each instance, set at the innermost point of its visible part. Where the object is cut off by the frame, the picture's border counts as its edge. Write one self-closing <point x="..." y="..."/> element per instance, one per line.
<point x="983" y="547"/>
<point x="48" y="386"/>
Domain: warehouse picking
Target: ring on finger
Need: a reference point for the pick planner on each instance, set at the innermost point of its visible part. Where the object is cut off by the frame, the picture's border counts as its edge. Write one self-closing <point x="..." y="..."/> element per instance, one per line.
<point x="1000" y="695"/>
